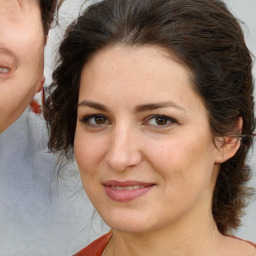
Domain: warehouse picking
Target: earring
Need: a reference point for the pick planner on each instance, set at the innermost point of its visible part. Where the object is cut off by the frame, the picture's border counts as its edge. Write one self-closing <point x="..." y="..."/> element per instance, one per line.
<point x="35" y="107"/>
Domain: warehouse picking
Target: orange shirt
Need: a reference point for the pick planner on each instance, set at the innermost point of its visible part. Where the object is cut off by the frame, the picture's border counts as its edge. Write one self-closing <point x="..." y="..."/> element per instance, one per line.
<point x="97" y="247"/>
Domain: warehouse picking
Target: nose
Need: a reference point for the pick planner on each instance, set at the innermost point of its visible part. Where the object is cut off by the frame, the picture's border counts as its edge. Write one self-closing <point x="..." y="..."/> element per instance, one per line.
<point x="124" y="151"/>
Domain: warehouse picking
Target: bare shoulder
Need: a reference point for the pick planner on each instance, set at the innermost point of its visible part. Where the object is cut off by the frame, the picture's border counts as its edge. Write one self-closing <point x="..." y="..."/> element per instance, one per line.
<point x="239" y="247"/>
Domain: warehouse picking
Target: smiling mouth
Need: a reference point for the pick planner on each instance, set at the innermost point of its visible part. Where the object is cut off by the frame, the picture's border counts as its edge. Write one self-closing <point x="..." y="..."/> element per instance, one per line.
<point x="126" y="191"/>
<point x="127" y="188"/>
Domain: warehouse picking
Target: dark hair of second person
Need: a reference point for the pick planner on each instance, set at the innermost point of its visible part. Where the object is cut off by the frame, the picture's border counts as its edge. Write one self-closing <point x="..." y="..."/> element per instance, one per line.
<point x="48" y="8"/>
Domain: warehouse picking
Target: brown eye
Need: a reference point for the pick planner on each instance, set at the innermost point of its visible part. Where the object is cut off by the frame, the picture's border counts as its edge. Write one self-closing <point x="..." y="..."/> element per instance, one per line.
<point x="100" y="120"/>
<point x="95" y="120"/>
<point x="161" y="120"/>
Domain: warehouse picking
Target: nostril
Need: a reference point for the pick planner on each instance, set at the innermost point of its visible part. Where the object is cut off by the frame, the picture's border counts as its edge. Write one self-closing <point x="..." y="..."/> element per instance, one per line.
<point x="122" y="159"/>
<point x="123" y="151"/>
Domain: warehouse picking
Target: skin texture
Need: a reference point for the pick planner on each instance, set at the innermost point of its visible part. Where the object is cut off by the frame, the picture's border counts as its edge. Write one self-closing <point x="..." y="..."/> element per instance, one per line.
<point x="21" y="57"/>
<point x="120" y="138"/>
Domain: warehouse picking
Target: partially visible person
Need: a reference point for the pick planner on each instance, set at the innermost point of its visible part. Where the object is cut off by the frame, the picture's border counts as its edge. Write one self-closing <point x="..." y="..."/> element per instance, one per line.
<point x="37" y="196"/>
<point x="155" y="99"/>
<point x="24" y="26"/>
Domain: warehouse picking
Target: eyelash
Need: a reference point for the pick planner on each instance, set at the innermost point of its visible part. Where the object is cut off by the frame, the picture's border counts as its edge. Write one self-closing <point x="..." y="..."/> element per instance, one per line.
<point x="168" y="121"/>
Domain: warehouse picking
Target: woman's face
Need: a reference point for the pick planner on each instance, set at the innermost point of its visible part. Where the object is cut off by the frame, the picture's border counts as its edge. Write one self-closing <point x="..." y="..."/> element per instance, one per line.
<point x="143" y="142"/>
<point x="21" y="57"/>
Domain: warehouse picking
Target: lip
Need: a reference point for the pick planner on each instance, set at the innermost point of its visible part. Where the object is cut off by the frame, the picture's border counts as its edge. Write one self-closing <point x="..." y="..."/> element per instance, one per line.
<point x="123" y="191"/>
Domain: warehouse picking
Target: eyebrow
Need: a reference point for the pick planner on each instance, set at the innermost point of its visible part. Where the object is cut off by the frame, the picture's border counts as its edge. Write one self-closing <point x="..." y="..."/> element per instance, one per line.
<point x="91" y="104"/>
<point x="139" y="108"/>
<point x="153" y="106"/>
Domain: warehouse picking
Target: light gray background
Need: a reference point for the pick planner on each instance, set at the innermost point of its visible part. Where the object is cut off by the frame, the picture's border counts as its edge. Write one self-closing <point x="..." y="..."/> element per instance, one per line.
<point x="245" y="10"/>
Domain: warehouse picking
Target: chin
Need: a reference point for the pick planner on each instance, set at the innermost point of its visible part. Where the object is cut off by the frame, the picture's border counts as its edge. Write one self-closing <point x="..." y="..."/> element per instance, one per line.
<point x="130" y="228"/>
<point x="128" y="224"/>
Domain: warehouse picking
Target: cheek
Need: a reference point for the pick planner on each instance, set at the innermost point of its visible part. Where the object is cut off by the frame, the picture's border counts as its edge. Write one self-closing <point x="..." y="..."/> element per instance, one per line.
<point x="89" y="151"/>
<point x="88" y="154"/>
<point x="32" y="68"/>
<point x="15" y="96"/>
<point x="171" y="152"/>
<point x="182" y="161"/>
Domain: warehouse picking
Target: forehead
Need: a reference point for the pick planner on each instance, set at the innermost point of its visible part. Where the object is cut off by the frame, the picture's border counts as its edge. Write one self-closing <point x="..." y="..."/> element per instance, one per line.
<point x="17" y="10"/>
<point x="144" y="73"/>
<point x="17" y="15"/>
<point x="151" y="60"/>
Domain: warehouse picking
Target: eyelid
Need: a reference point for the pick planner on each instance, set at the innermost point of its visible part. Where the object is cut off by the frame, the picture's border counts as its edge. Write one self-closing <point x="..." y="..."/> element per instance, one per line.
<point x="6" y="75"/>
<point x="7" y="62"/>
<point x="7" y="67"/>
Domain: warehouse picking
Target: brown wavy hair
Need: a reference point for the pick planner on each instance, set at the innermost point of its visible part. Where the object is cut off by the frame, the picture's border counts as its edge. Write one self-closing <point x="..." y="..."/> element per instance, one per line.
<point x="207" y="38"/>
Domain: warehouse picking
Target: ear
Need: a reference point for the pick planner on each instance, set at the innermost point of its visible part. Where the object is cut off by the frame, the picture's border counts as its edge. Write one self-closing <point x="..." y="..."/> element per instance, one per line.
<point x="40" y="84"/>
<point x="227" y="146"/>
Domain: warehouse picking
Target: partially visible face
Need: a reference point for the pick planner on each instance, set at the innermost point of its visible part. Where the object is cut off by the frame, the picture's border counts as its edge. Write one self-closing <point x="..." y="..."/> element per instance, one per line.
<point x="21" y="57"/>
<point x="143" y="142"/>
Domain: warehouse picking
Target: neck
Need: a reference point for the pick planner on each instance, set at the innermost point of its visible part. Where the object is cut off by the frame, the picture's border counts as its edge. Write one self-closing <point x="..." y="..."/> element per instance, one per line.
<point x="192" y="242"/>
